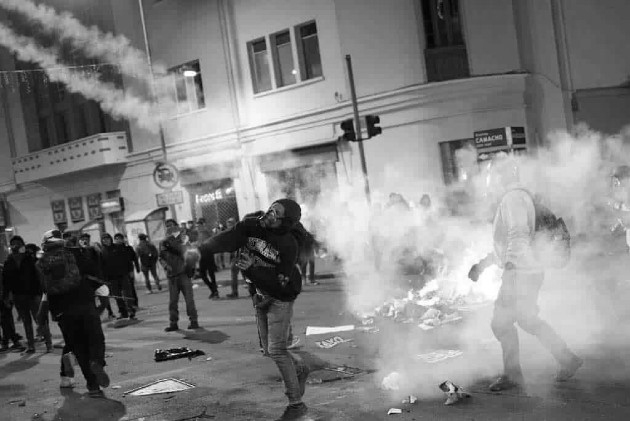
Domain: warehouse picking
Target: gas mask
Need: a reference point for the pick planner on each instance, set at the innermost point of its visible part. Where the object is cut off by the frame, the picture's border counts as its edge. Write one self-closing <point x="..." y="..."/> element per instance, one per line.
<point x="84" y="243"/>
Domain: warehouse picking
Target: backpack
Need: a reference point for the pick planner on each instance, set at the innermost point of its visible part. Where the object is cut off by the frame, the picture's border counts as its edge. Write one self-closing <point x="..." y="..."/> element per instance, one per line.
<point x="552" y="240"/>
<point x="60" y="272"/>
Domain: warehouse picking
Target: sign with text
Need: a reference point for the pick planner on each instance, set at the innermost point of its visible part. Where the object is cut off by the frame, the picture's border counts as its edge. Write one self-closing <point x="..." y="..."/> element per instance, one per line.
<point x="77" y="213"/>
<point x="505" y="139"/>
<point x="174" y="197"/>
<point x="112" y="205"/>
<point x="59" y="211"/>
<point x="94" y="206"/>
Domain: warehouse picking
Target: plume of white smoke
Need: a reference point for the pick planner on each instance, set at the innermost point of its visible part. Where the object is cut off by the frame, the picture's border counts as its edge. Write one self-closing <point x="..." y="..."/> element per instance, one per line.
<point x="118" y="103"/>
<point x="92" y="41"/>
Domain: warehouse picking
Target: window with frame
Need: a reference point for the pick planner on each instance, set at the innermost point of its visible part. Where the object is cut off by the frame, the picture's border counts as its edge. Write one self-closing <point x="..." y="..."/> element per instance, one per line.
<point x="187" y="87"/>
<point x="285" y="58"/>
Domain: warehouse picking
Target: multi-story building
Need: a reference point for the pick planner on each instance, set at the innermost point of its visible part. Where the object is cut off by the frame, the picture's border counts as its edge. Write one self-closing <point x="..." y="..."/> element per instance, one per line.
<point x="261" y="88"/>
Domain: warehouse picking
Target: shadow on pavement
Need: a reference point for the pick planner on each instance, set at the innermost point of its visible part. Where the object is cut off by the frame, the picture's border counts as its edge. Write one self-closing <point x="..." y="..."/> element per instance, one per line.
<point x="81" y="407"/>
<point x="206" y="336"/>
<point x="24" y="363"/>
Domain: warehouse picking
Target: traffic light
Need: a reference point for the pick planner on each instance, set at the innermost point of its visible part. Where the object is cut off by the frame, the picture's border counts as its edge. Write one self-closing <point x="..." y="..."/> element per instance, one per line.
<point x="348" y="131"/>
<point x="371" y="122"/>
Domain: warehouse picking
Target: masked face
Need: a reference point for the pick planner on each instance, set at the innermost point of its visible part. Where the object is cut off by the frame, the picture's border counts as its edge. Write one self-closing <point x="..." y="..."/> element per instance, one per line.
<point x="119" y="240"/>
<point x="84" y="242"/>
<point x="274" y="216"/>
<point x="107" y="241"/>
<point x="18" y="248"/>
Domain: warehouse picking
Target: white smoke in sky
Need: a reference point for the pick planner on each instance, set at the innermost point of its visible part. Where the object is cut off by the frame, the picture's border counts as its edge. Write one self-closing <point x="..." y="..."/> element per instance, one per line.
<point x="582" y="301"/>
<point x="92" y="41"/>
<point x="118" y="103"/>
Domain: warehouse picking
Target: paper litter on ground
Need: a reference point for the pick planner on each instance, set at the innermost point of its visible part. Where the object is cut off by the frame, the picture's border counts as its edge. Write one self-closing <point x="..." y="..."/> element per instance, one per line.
<point x="394" y="411"/>
<point x="439" y="355"/>
<point x="315" y="330"/>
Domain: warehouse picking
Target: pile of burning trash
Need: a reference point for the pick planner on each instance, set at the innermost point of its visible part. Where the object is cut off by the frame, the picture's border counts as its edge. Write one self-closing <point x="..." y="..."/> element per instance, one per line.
<point x="428" y="308"/>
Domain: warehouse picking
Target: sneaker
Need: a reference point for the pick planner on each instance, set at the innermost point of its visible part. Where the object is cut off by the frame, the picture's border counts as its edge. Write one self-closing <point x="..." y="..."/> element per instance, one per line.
<point x="68" y="366"/>
<point x="294" y="343"/>
<point x="294" y="412"/>
<point x="232" y="295"/>
<point x="96" y="393"/>
<point x="171" y="328"/>
<point x="66" y="382"/>
<point x="30" y="350"/>
<point x="149" y="292"/>
<point x="132" y="317"/>
<point x="214" y="296"/>
<point x="122" y="317"/>
<point x="101" y="376"/>
<point x="302" y="376"/>
<point x="193" y="325"/>
<point x="568" y="371"/>
<point x="504" y="383"/>
<point x="313" y="283"/>
<point x="4" y="348"/>
<point x="17" y="346"/>
<point x="49" y="348"/>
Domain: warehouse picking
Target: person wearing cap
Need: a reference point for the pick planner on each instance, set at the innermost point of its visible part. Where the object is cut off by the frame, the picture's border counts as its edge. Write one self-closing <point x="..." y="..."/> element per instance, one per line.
<point x="172" y="257"/>
<point x="268" y="254"/>
<point x="148" y="255"/>
<point x="22" y="282"/>
<point x="76" y="314"/>
<point x="116" y="265"/>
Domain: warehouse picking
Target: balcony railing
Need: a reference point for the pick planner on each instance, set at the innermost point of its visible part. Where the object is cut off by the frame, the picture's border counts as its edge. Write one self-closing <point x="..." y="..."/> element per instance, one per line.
<point x="446" y="63"/>
<point x="89" y="152"/>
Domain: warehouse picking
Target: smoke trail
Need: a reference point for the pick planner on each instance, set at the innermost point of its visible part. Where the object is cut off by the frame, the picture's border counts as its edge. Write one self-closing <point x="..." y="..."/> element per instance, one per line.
<point x="92" y="41"/>
<point x="116" y="102"/>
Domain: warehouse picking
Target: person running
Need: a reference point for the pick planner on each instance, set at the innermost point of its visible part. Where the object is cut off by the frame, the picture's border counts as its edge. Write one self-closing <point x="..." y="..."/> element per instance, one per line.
<point x="173" y="258"/>
<point x="22" y="282"/>
<point x="268" y="255"/>
<point x="523" y="275"/>
<point x="70" y="291"/>
<point x="148" y="255"/>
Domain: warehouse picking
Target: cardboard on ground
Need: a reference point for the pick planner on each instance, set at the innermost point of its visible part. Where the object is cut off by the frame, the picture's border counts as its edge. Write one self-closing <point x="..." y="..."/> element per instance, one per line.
<point x="160" y="386"/>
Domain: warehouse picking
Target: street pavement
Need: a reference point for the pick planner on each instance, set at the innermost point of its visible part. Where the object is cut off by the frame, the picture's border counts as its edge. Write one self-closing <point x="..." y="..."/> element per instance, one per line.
<point x="234" y="382"/>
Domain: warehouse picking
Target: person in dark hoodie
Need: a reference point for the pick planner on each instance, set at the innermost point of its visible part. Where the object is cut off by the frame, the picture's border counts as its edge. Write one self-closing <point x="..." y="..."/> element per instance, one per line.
<point x="134" y="265"/>
<point x="148" y="255"/>
<point x="7" y="324"/>
<point x="22" y="282"/>
<point x="74" y="309"/>
<point x="268" y="254"/>
<point x="116" y="265"/>
<point x="173" y="259"/>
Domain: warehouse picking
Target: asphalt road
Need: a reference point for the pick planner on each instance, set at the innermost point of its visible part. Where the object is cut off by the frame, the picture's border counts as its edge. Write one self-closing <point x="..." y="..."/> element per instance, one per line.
<point x="234" y="382"/>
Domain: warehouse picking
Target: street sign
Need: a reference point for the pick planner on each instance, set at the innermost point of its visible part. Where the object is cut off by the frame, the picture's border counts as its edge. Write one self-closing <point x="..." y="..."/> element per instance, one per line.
<point x="168" y="198"/>
<point x="505" y="139"/>
<point x="165" y="175"/>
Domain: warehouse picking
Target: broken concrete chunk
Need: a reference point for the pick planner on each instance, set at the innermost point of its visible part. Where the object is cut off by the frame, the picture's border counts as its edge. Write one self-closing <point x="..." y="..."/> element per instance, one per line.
<point x="394" y="411"/>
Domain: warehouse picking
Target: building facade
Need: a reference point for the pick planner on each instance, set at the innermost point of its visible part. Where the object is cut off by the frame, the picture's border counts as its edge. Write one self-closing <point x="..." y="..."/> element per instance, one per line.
<point x="261" y="88"/>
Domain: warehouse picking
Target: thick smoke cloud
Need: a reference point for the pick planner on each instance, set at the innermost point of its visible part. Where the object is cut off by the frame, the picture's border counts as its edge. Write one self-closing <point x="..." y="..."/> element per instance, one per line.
<point x="118" y="103"/>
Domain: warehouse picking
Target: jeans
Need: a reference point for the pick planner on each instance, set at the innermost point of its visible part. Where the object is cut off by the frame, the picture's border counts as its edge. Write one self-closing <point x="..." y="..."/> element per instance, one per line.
<point x="183" y="284"/>
<point x="7" y="324"/>
<point x="274" y="321"/>
<point x="122" y="288"/>
<point x="147" y="281"/>
<point x="207" y="267"/>
<point x="311" y="269"/>
<point x="517" y="303"/>
<point x="27" y="307"/>
<point x="83" y="335"/>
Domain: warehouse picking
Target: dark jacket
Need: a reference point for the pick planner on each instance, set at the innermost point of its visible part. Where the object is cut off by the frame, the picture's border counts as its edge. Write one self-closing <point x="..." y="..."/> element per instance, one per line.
<point x="133" y="259"/>
<point x="147" y="253"/>
<point x="88" y="261"/>
<point x="274" y="252"/>
<point x="117" y="261"/>
<point x="172" y="256"/>
<point x="81" y="300"/>
<point x="22" y="278"/>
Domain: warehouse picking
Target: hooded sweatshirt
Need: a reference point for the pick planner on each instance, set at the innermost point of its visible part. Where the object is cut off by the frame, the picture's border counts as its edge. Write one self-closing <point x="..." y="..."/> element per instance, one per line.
<point x="274" y="251"/>
<point x="116" y="261"/>
<point x="21" y="276"/>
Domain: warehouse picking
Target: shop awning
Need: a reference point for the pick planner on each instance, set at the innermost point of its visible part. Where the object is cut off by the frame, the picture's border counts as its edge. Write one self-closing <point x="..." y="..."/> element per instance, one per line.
<point x="143" y="215"/>
<point x="78" y="226"/>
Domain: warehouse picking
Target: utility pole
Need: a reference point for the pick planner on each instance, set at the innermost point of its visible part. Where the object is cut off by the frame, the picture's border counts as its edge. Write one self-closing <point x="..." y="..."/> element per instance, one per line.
<point x="147" y="48"/>
<point x="357" y="126"/>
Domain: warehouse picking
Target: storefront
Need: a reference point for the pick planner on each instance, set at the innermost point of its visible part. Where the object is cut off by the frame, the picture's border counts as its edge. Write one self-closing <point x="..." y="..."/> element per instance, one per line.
<point x="151" y="223"/>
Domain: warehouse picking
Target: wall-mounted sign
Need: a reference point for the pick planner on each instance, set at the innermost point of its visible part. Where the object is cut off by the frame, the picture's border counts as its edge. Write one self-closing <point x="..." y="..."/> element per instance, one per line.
<point x="218" y="194"/>
<point x="77" y="213"/>
<point x="113" y="205"/>
<point x="174" y="197"/>
<point x="59" y="211"/>
<point x="94" y="206"/>
<point x="165" y="176"/>
<point x="504" y="139"/>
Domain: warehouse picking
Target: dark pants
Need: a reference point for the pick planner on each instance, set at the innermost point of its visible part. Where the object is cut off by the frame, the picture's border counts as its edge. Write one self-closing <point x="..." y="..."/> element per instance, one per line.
<point x="121" y="287"/>
<point x="183" y="284"/>
<point x="7" y="324"/>
<point x="274" y="322"/>
<point x="134" y="292"/>
<point x="147" y="281"/>
<point x="27" y="307"/>
<point x="105" y="304"/>
<point x="234" y="272"/>
<point x="207" y="267"/>
<point x="84" y="337"/>
<point x="517" y="302"/>
<point x="310" y="262"/>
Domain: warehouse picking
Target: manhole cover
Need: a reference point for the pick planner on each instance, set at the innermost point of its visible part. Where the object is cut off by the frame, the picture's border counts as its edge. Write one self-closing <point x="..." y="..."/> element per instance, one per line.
<point x="160" y="386"/>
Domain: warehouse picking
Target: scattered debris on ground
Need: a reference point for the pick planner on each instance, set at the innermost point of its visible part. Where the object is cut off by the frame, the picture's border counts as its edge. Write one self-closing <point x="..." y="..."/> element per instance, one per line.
<point x="160" y="386"/>
<point x="332" y="342"/>
<point x="411" y="399"/>
<point x="439" y="355"/>
<point x="394" y="411"/>
<point x="453" y="392"/>
<point x="315" y="330"/>
<point x="176" y="353"/>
